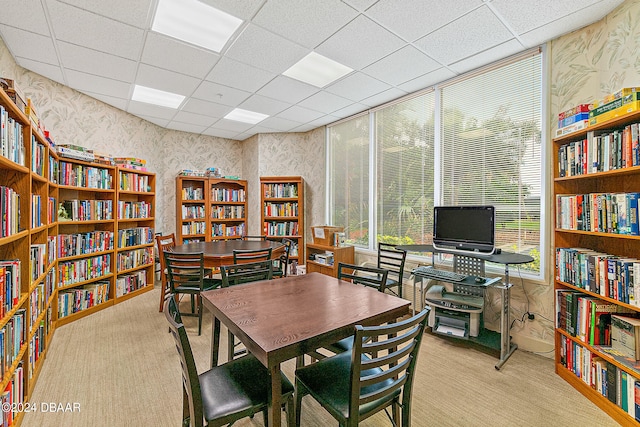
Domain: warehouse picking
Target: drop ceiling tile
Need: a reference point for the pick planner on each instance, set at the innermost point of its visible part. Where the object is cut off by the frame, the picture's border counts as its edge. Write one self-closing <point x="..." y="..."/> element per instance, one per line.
<point x="233" y="125"/>
<point x="265" y="50"/>
<point x="526" y="16"/>
<point x="360" y="5"/>
<point x="325" y="102"/>
<point x="52" y="72"/>
<point x="323" y="121"/>
<point x="287" y="89"/>
<point x="299" y="114"/>
<point x="119" y="103"/>
<point x="137" y="13"/>
<point x="357" y="86"/>
<point x="308" y="26"/>
<point x="29" y="45"/>
<point x="28" y="15"/>
<point x="261" y="129"/>
<point x="221" y="133"/>
<point x="402" y="20"/>
<point x="386" y="96"/>
<point x="264" y="105"/>
<point x="186" y="127"/>
<point x="194" y="119"/>
<point x="172" y="54"/>
<point x="351" y="110"/>
<point x="279" y="124"/>
<point x="352" y="45"/>
<point x="94" y="31"/>
<point x="401" y="66"/>
<point x="429" y="79"/>
<point x="220" y="94"/>
<point x="474" y="32"/>
<point x="239" y="75"/>
<point x="101" y="85"/>
<point x="493" y="54"/>
<point x="90" y="61"/>
<point x="244" y="9"/>
<point x="166" y="80"/>
<point x="143" y="109"/>
<point x="206" y="108"/>
<point x="156" y="121"/>
<point x="304" y="128"/>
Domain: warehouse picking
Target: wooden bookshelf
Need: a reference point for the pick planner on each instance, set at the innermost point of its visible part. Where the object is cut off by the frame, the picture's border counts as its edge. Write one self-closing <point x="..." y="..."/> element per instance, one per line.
<point x="282" y="213"/>
<point x="344" y="254"/>
<point x="577" y="186"/>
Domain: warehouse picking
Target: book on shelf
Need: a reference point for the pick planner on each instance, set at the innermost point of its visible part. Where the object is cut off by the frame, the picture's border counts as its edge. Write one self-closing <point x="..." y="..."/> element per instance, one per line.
<point x="625" y="336"/>
<point x="75" y="154"/>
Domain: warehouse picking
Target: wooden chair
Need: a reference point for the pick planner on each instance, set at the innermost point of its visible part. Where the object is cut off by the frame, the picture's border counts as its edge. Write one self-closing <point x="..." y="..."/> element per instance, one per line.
<point x="185" y="272"/>
<point x="164" y="243"/>
<point x="235" y="275"/>
<point x="378" y="373"/>
<point x="225" y="393"/>
<point x="282" y="263"/>
<point x="392" y="260"/>
<point x="251" y="255"/>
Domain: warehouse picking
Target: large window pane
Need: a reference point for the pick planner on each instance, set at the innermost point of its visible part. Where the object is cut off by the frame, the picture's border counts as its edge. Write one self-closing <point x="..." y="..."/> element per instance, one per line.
<point x="348" y="144"/>
<point x="491" y="149"/>
<point x="404" y="142"/>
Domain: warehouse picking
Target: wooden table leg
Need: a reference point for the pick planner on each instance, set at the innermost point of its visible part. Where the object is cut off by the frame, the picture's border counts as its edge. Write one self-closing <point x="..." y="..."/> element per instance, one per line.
<point x="275" y="396"/>
<point x="215" y="341"/>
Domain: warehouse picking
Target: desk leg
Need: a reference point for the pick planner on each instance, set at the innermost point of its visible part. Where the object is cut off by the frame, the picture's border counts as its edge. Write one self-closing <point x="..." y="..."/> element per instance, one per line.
<point x="215" y="341"/>
<point x="275" y="396"/>
<point x="506" y="348"/>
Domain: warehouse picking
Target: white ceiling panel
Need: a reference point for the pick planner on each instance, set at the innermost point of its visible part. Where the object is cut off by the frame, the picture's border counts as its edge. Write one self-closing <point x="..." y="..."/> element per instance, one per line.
<point x="307" y="26"/>
<point x="102" y="48"/>
<point x="173" y="55"/>
<point x="239" y="75"/>
<point x="401" y="66"/>
<point x="360" y="43"/>
<point x="471" y="33"/>
<point x="94" y="62"/>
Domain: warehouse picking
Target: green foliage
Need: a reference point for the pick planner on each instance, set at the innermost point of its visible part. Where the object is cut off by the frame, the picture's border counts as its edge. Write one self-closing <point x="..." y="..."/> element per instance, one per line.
<point x="394" y="240"/>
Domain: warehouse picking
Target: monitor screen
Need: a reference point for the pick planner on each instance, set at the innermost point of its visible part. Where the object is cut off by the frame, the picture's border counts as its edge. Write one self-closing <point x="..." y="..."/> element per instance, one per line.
<point x="464" y="228"/>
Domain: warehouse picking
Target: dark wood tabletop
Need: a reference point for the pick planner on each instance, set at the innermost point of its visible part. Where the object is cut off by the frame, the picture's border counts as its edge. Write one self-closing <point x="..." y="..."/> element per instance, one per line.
<point x="281" y="319"/>
<point x="220" y="252"/>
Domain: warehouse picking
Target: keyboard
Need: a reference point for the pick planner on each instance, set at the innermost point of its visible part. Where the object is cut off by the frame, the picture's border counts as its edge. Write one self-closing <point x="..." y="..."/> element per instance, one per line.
<point x="444" y="275"/>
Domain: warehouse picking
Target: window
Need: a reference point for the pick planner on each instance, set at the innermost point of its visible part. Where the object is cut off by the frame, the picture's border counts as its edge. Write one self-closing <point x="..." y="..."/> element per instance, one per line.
<point x="472" y="141"/>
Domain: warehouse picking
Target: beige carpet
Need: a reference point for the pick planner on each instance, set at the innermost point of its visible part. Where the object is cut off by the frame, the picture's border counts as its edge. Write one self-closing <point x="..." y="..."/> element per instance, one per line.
<point x="121" y="367"/>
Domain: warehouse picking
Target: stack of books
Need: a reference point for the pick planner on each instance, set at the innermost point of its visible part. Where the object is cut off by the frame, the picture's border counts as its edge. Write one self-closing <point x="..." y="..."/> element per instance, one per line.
<point x="192" y="172"/>
<point x="573" y="119"/>
<point x="76" y="152"/>
<point x="624" y="101"/>
<point x="131" y="163"/>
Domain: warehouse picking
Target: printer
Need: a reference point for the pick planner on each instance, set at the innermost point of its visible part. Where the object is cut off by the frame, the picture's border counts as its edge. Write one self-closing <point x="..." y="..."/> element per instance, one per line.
<point x="454" y="313"/>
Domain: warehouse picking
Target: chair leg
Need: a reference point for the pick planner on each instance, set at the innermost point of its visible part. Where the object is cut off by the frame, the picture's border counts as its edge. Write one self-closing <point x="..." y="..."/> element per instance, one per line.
<point x="163" y="290"/>
<point x="231" y="347"/>
<point x="300" y="391"/>
<point x="199" y="314"/>
<point x="265" y="416"/>
<point x="291" y="412"/>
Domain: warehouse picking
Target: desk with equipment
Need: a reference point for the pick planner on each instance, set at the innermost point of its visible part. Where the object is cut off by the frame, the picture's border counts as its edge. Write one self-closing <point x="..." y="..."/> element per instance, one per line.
<point x="457" y="299"/>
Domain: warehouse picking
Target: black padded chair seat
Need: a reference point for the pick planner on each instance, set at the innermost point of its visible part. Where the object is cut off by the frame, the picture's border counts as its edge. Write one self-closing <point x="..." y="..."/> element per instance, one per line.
<point x="330" y="380"/>
<point x="237" y="387"/>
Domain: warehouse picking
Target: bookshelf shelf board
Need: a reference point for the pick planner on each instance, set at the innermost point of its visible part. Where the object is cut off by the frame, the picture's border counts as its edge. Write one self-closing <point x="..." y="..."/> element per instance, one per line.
<point x="129" y="295"/>
<point x="140" y="246"/>
<point x="227" y="220"/>
<point x="83" y="313"/>
<point x="85" y="282"/>
<point x="137" y="193"/>
<point x="39" y="229"/>
<point x="9" y="373"/>
<point x="13" y="237"/>
<point x="9" y="314"/>
<point x="598" y="234"/>
<point x="134" y="269"/>
<point x="41" y="179"/>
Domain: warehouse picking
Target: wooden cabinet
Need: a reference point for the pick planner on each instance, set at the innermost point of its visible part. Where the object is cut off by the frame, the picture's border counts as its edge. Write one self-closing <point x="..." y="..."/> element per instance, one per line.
<point x="339" y="254"/>
<point x="135" y="227"/>
<point x="282" y="213"/>
<point x="210" y="209"/>
<point x="596" y="187"/>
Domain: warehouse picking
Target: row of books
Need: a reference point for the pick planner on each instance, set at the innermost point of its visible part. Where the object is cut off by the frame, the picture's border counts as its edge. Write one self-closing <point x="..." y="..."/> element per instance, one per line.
<point x="80" y="270"/>
<point x="280" y="190"/>
<point x="195" y="227"/>
<point x="37" y="260"/>
<point x="135" y="236"/>
<point x="39" y="297"/>
<point x="10" y="207"/>
<point x="78" y="175"/>
<point x="75" y="300"/>
<point x="287" y="228"/>
<point x="131" y="163"/>
<point x="604" y="274"/>
<point x="598" y="212"/>
<point x="224" y="230"/>
<point x="12" y="337"/>
<point x="617" y="385"/>
<point x="134" y="210"/>
<point x="36" y="208"/>
<point x="9" y="285"/>
<point x="227" y="212"/>
<point x="134" y="258"/>
<point x="281" y="209"/>
<point x="617" y="149"/>
<point x="193" y="193"/>
<point x="11" y="138"/>
<point x="38" y="156"/>
<point x="84" y="243"/>
<point x="193" y="212"/>
<point x="37" y="345"/>
<point x="88" y="210"/>
<point x="130" y="282"/>
<point x="628" y="102"/>
<point x="130" y="181"/>
<point x="227" y="195"/>
<point x="13" y="397"/>
<point x="52" y="210"/>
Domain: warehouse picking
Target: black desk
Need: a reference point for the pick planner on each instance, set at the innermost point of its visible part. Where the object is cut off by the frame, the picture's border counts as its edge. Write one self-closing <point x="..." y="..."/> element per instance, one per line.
<point x="506" y="347"/>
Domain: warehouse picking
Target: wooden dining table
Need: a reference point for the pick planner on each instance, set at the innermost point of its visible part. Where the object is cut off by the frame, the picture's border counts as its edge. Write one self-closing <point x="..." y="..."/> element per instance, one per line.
<point x="220" y="252"/>
<point x="278" y="320"/>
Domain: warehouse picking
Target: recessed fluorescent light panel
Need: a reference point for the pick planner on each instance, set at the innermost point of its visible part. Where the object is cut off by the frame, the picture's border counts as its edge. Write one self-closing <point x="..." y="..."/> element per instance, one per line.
<point x="195" y="22"/>
<point x="317" y="70"/>
<point x="156" y="97"/>
<point x="245" y="116"/>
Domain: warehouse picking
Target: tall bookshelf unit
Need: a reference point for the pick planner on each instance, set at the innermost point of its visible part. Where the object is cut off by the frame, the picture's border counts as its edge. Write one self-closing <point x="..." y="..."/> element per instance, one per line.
<point x="282" y="211"/>
<point x="209" y="209"/>
<point x="56" y="270"/>
<point x="579" y="240"/>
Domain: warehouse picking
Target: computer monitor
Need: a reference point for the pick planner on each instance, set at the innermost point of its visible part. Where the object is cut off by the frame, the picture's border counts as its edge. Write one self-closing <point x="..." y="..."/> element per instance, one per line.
<point x="464" y="228"/>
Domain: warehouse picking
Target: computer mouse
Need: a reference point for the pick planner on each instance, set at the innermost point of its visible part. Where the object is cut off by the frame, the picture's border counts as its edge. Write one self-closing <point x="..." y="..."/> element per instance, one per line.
<point x="480" y="280"/>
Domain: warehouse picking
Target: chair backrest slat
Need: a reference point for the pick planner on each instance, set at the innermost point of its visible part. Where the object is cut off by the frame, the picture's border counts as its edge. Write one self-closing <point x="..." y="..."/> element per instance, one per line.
<point x="250" y="255"/>
<point x="392" y="259"/>
<point x="363" y="275"/>
<point x="185" y="269"/>
<point x="246" y="272"/>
